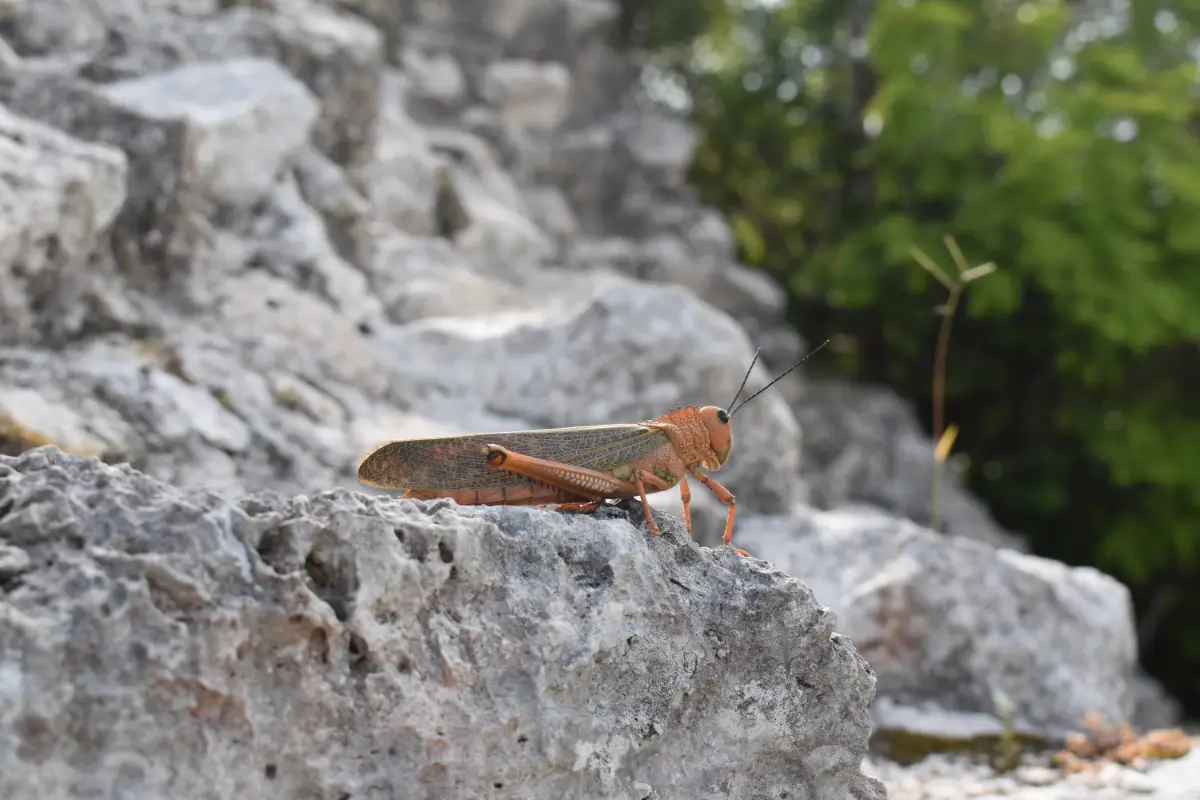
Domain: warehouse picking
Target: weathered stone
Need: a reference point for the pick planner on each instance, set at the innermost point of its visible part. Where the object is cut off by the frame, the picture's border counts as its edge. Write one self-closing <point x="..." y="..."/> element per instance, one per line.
<point x="711" y="236"/>
<point x="666" y="258"/>
<point x="551" y="212"/>
<point x="1153" y="707"/>
<point x="10" y="61"/>
<point x="48" y="26"/>
<point x="531" y="96"/>
<point x="292" y="243"/>
<point x="404" y="175"/>
<point x="157" y="233"/>
<point x="950" y="621"/>
<point x="258" y="633"/>
<point x="58" y="195"/>
<point x="781" y="346"/>
<point x="588" y="16"/>
<point x="613" y="253"/>
<point x="588" y="166"/>
<point x="436" y="81"/>
<point x="419" y="278"/>
<point x="392" y="18"/>
<point x="346" y="213"/>
<point x="10" y="9"/>
<point x="339" y="58"/>
<point x="28" y="419"/>
<point x="741" y="291"/>
<point x="276" y="322"/>
<point x="483" y="213"/>
<point x="245" y="120"/>
<point x="661" y="143"/>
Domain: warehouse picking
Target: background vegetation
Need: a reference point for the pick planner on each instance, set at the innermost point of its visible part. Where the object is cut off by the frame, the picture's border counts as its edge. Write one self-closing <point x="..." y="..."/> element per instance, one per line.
<point x="1058" y="139"/>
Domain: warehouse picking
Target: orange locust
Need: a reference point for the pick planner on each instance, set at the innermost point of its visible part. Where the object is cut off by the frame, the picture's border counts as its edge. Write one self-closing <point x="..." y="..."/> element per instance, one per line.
<point x="576" y="469"/>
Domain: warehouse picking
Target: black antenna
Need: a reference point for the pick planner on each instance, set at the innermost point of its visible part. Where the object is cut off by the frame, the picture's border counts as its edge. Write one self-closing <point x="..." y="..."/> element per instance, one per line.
<point x="753" y="361"/>
<point x="772" y="383"/>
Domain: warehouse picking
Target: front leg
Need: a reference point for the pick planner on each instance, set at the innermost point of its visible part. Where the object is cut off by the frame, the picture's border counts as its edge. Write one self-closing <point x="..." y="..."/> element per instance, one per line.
<point x="726" y="497"/>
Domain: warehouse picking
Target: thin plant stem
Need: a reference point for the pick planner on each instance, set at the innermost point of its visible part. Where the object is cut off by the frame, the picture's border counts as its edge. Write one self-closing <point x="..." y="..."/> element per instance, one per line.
<point x="939" y="397"/>
<point x="942" y="442"/>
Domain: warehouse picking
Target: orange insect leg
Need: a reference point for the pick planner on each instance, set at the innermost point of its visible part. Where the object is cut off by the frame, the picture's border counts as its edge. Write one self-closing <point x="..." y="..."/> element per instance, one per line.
<point x="585" y="482"/>
<point x="685" y="495"/>
<point x="641" y="487"/>
<point x="726" y="497"/>
<point x="580" y="508"/>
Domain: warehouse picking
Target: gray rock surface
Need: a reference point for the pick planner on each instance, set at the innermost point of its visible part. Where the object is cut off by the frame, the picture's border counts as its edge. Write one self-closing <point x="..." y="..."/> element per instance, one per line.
<point x="162" y="643"/>
<point x="246" y="119"/>
<point x="57" y="197"/>
<point x="949" y="622"/>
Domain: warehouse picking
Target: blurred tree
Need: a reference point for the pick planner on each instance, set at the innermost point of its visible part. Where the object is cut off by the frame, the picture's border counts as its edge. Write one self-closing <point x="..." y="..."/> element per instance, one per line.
<point x="1058" y="139"/>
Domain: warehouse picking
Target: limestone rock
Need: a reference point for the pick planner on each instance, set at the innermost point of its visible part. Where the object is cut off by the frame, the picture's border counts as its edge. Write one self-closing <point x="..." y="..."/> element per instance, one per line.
<point x="245" y="118"/>
<point x="156" y="642"/>
<point x="404" y="175"/>
<point x="339" y="57"/>
<point x="661" y="143"/>
<point x="58" y="195"/>
<point x="531" y="96"/>
<point x="437" y="80"/>
<point x="949" y="621"/>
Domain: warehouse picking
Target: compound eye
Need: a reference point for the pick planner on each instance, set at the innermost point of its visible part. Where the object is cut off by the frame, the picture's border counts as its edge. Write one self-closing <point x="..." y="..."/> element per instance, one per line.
<point x="722" y="415"/>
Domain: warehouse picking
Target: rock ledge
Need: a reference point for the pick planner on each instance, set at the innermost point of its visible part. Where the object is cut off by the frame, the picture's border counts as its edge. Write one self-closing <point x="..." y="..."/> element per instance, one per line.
<point x="157" y="642"/>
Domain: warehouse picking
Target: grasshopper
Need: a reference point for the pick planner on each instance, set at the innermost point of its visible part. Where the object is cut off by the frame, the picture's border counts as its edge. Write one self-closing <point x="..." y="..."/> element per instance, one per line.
<point x="576" y="469"/>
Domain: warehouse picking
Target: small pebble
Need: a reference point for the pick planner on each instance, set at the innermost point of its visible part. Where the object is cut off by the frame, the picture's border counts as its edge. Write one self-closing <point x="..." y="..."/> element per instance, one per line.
<point x="1037" y="776"/>
<point x="1108" y="775"/>
<point x="1137" y="783"/>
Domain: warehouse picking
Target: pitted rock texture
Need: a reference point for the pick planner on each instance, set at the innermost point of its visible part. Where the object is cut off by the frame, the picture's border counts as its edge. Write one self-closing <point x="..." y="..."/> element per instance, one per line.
<point x="157" y="642"/>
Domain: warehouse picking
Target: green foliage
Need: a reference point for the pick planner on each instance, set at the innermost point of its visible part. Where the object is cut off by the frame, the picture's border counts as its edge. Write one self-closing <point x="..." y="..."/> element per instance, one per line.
<point x="664" y="26"/>
<point x="839" y="136"/>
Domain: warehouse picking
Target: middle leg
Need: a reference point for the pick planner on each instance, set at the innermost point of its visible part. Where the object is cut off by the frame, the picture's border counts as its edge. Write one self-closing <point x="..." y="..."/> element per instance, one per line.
<point x="685" y="496"/>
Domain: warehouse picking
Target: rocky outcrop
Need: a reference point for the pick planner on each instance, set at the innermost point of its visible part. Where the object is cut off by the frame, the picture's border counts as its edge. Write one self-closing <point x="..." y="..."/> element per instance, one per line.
<point x="157" y="642"/>
<point x="957" y="629"/>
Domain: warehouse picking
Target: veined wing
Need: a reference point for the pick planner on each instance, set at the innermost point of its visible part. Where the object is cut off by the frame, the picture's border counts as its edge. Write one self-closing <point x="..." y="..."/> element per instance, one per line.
<point x="457" y="462"/>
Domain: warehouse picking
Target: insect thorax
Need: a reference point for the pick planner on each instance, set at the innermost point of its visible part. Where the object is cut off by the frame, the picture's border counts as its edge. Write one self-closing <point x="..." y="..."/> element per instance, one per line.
<point x="687" y="433"/>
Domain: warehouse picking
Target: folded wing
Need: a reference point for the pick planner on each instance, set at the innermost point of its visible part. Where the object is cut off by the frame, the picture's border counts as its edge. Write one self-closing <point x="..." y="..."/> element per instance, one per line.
<point x="457" y="462"/>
